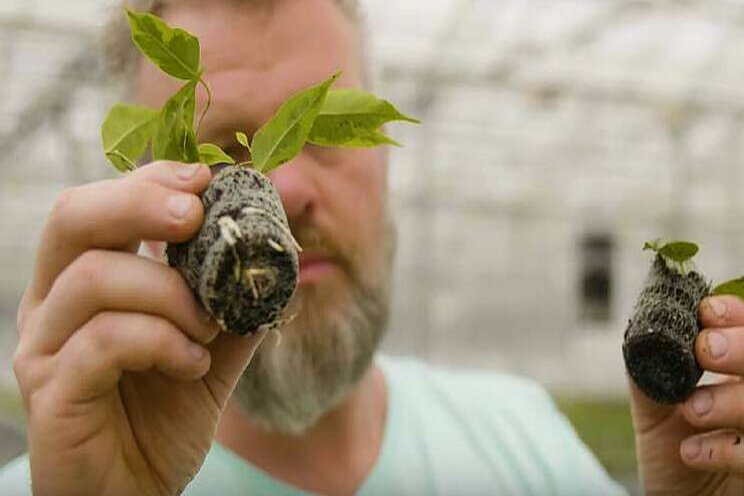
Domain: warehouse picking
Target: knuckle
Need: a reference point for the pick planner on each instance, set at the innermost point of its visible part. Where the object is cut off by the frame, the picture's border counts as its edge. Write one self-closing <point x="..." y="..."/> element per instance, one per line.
<point x="87" y="269"/>
<point x="30" y="371"/>
<point x="88" y="349"/>
<point x="162" y="335"/>
<point x="21" y="365"/>
<point x="174" y="286"/>
<point x="62" y="207"/>
<point x="96" y="334"/>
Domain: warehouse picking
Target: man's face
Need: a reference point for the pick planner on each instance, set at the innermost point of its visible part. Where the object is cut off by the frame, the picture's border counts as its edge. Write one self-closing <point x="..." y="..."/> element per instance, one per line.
<point x="255" y="55"/>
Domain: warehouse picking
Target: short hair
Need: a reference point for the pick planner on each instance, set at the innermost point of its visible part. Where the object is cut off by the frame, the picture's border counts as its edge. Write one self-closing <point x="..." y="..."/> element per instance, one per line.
<point x="121" y="56"/>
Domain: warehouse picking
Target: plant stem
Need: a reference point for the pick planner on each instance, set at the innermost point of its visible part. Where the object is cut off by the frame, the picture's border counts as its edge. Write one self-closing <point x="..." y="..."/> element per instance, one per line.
<point x="206" y="107"/>
<point x="132" y="166"/>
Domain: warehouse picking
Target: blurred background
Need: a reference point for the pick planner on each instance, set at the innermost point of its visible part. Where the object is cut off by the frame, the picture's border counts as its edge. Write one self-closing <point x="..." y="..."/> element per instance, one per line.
<point x="558" y="136"/>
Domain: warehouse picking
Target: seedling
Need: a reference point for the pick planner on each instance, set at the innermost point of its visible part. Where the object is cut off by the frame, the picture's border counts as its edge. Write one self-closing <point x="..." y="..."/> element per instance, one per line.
<point x="243" y="263"/>
<point x="659" y="344"/>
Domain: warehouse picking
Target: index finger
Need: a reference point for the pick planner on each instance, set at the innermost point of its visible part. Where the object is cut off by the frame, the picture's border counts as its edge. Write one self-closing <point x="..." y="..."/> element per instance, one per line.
<point x="118" y="214"/>
<point x="721" y="311"/>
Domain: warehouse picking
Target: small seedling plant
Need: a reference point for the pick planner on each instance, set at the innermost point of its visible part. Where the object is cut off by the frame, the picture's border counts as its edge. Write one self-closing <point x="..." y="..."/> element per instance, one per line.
<point x="659" y="344"/>
<point x="243" y="263"/>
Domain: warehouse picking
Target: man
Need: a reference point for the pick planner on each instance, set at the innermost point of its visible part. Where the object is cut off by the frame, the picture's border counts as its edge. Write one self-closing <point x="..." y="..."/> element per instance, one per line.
<point x="127" y="383"/>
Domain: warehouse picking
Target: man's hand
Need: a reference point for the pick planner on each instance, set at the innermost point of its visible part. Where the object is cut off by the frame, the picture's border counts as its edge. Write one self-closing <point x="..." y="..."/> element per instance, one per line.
<point x="697" y="448"/>
<point x="123" y="375"/>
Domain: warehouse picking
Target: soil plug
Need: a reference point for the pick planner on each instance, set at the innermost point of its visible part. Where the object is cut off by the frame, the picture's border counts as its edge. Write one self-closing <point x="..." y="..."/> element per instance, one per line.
<point x="659" y="345"/>
<point x="243" y="263"/>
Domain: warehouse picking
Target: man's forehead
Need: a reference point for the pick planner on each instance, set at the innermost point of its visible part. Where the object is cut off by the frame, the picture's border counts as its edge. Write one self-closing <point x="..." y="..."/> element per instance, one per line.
<point x="123" y="60"/>
<point x="255" y="58"/>
<point x="238" y="34"/>
<point x="350" y="8"/>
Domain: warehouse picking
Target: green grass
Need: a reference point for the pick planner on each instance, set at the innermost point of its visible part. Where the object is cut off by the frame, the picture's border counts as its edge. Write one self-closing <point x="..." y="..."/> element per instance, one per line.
<point x="606" y="427"/>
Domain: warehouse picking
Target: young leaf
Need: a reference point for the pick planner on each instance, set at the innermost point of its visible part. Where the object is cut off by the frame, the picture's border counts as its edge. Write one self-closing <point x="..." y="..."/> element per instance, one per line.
<point x="210" y="154"/>
<point x="652" y="245"/>
<point x="243" y="139"/>
<point x="353" y="118"/>
<point x="733" y="287"/>
<point x="175" y="137"/>
<point x="677" y="251"/>
<point x="175" y="51"/>
<point x="126" y="132"/>
<point x="285" y="134"/>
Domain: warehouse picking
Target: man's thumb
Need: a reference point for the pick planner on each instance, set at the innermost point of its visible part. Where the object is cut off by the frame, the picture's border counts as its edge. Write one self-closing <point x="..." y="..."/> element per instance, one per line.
<point x="231" y="354"/>
<point x="647" y="413"/>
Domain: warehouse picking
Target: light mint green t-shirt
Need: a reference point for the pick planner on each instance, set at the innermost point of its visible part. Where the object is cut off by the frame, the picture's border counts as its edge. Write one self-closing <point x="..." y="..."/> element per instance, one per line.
<point x="447" y="433"/>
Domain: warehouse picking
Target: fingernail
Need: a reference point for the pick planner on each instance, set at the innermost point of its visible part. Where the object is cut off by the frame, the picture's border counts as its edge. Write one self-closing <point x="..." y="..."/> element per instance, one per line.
<point x="187" y="171"/>
<point x="206" y="317"/>
<point x="717" y="344"/>
<point x="702" y="402"/>
<point x="718" y="306"/>
<point x="197" y="352"/>
<point x="208" y="320"/>
<point x="179" y="206"/>
<point x="691" y="448"/>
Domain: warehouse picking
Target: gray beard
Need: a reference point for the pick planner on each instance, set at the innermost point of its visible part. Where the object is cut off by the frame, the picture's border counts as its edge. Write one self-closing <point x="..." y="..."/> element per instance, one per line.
<point x="321" y="356"/>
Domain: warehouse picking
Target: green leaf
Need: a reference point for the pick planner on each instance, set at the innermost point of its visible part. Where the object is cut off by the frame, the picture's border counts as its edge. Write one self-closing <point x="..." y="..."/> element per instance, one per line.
<point x="243" y="139"/>
<point x="175" y="51"/>
<point x="353" y="118"/>
<point x="355" y="138"/>
<point x="285" y="134"/>
<point x="175" y="138"/>
<point x="733" y="287"/>
<point x="361" y="105"/>
<point x="210" y="154"/>
<point x="677" y="251"/>
<point x="126" y="132"/>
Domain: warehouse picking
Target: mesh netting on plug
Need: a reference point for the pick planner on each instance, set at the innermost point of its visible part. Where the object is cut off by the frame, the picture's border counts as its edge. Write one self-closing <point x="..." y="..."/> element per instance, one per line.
<point x="660" y="338"/>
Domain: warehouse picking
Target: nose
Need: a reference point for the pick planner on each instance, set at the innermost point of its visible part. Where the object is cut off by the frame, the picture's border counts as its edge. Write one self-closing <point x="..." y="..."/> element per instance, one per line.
<point x="295" y="187"/>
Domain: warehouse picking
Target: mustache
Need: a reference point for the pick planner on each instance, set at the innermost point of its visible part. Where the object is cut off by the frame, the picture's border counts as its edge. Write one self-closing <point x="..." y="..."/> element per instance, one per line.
<point x="316" y="240"/>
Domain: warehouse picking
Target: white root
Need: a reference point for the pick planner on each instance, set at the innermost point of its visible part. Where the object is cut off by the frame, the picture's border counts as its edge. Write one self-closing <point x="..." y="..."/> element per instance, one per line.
<point x="254" y="289"/>
<point x="276" y="246"/>
<point x="230" y="230"/>
<point x="276" y="222"/>
<point x="262" y="281"/>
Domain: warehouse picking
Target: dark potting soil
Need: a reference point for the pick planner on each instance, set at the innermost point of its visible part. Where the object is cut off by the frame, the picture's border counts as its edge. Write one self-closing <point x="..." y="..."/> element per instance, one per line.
<point x="659" y="345"/>
<point x="243" y="263"/>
